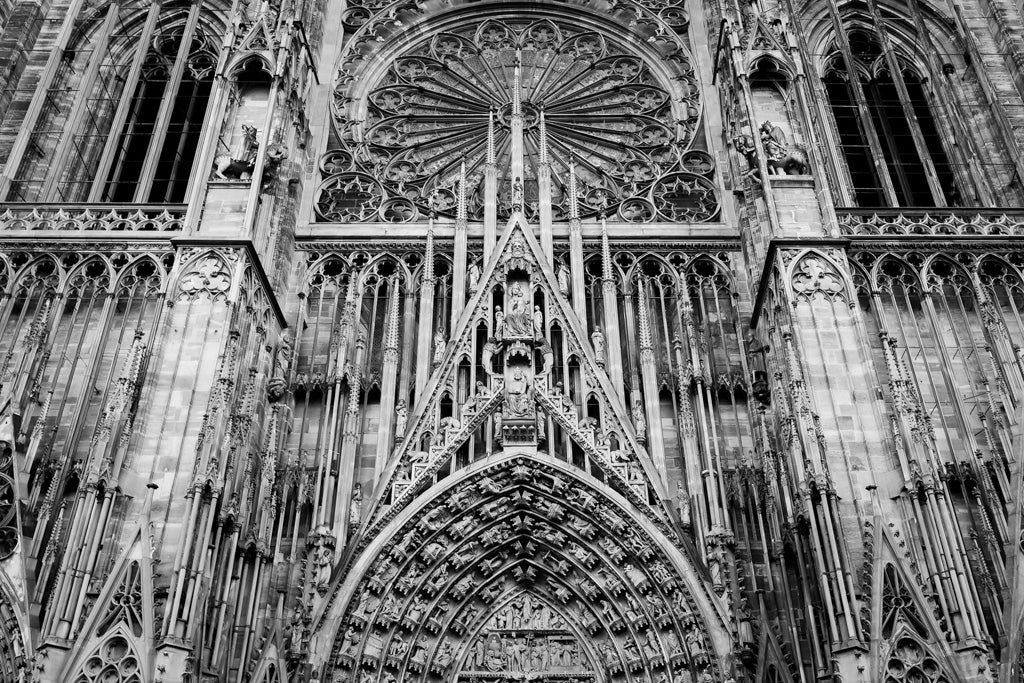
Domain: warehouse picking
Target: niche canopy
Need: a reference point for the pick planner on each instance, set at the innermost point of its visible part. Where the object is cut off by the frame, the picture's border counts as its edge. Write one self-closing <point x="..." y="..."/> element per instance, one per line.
<point x="603" y="106"/>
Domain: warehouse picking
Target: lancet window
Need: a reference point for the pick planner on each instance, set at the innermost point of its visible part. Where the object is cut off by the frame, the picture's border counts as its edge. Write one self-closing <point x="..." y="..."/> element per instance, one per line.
<point x="887" y="132"/>
<point x="120" y="113"/>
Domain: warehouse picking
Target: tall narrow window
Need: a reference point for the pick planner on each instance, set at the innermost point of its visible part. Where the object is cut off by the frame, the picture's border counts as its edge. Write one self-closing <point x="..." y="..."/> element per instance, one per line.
<point x="889" y="151"/>
<point x="122" y="121"/>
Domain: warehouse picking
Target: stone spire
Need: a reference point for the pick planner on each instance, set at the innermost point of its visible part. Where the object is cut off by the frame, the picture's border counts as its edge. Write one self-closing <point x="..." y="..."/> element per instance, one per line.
<point x="516" y="127"/>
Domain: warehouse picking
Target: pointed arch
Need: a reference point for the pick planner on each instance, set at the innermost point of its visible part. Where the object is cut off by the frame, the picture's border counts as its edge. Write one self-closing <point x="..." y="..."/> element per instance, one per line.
<point x="114" y="636"/>
<point x="523" y="521"/>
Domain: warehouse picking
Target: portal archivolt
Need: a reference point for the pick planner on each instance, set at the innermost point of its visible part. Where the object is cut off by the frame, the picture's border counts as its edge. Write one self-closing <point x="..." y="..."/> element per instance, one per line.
<point x="527" y="567"/>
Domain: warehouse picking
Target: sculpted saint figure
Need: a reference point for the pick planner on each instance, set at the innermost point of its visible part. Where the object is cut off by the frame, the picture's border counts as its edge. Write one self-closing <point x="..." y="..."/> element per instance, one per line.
<point x="518" y="322"/>
<point x="518" y="397"/>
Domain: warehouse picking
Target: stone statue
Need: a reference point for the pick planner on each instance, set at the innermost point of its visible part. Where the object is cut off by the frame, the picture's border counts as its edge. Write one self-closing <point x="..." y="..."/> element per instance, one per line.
<point x="401" y="418"/>
<point x="474" y="275"/>
<point x="639" y="422"/>
<point x="439" y="347"/>
<point x="517" y="194"/>
<point x="684" y="508"/>
<point x="499" y="323"/>
<point x="278" y="383"/>
<point x="562" y="274"/>
<point x="780" y="156"/>
<point x="597" y="339"/>
<point x="518" y="322"/>
<point x="538" y="323"/>
<point x="322" y="543"/>
<point x="227" y="167"/>
<point x="518" y="393"/>
<point x="355" y="506"/>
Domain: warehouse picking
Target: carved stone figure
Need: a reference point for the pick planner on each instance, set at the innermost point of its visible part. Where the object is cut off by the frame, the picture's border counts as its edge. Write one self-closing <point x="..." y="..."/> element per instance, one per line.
<point x="517" y="194"/>
<point x="278" y="383"/>
<point x="499" y="324"/>
<point x="321" y="543"/>
<point x="538" y="323"/>
<point x="782" y="157"/>
<point x="355" y="506"/>
<point x="439" y="347"/>
<point x="597" y="339"/>
<point x="401" y="418"/>
<point x="563" y="277"/>
<point x="473" y="275"/>
<point x="518" y="322"/>
<point x="227" y="167"/>
<point x="639" y="422"/>
<point x="518" y="394"/>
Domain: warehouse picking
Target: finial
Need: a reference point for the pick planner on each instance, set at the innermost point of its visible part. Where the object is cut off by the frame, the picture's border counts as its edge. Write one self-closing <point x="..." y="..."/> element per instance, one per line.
<point x="491" y="155"/>
<point x="574" y="202"/>
<point x="460" y="211"/>
<point x="606" y="253"/>
<point x="646" y="343"/>
<point x="428" y="256"/>
<point x="391" y="339"/>
<point x="517" y="95"/>
<point x="543" y="139"/>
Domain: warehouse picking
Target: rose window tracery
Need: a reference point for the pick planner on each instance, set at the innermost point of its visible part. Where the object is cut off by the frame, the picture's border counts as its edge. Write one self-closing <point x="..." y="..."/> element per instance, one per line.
<point x="604" y="109"/>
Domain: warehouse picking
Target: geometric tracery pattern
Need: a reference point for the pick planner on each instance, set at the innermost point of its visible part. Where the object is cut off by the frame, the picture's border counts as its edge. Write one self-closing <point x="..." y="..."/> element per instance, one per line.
<point x="603" y="108"/>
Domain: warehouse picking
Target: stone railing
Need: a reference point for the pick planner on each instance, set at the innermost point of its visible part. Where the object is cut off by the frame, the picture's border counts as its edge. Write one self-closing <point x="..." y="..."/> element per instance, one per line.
<point x="77" y="217"/>
<point x="931" y="222"/>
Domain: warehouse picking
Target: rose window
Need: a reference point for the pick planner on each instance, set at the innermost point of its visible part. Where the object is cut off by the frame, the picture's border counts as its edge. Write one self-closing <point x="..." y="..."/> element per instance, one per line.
<point x="404" y="142"/>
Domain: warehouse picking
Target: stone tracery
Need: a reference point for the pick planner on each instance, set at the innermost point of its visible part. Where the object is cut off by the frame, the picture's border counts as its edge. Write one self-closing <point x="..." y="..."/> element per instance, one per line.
<point x="450" y="593"/>
<point x="602" y="104"/>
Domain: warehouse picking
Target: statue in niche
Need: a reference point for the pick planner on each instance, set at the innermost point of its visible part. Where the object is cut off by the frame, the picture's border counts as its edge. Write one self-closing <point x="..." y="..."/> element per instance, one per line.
<point x="478" y="655"/>
<point x="538" y="323"/>
<point x="499" y="326"/>
<point x="322" y="549"/>
<point x="401" y="418"/>
<point x="278" y="383"/>
<point x="518" y="322"/>
<point x="518" y="396"/>
<point x="355" y="507"/>
<point x="639" y="422"/>
<point x="474" y="275"/>
<point x="517" y="194"/>
<point x="494" y="654"/>
<point x="672" y="643"/>
<point x="608" y="656"/>
<point x="781" y="157"/>
<point x="597" y="338"/>
<point x="439" y="347"/>
<point x="562" y="276"/>
<point x="229" y="167"/>
<point x="444" y="655"/>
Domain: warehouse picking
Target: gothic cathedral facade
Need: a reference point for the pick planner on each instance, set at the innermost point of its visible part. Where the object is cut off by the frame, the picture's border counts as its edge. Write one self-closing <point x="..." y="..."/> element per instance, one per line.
<point x="429" y="341"/>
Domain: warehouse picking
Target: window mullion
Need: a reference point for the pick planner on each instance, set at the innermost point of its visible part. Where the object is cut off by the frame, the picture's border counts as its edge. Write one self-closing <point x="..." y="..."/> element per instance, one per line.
<point x="42" y="91"/>
<point x="908" y="110"/>
<point x="167" y="107"/>
<point x="125" y="106"/>
<point x="865" y="115"/>
<point x="58" y="163"/>
<point x="890" y="145"/>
